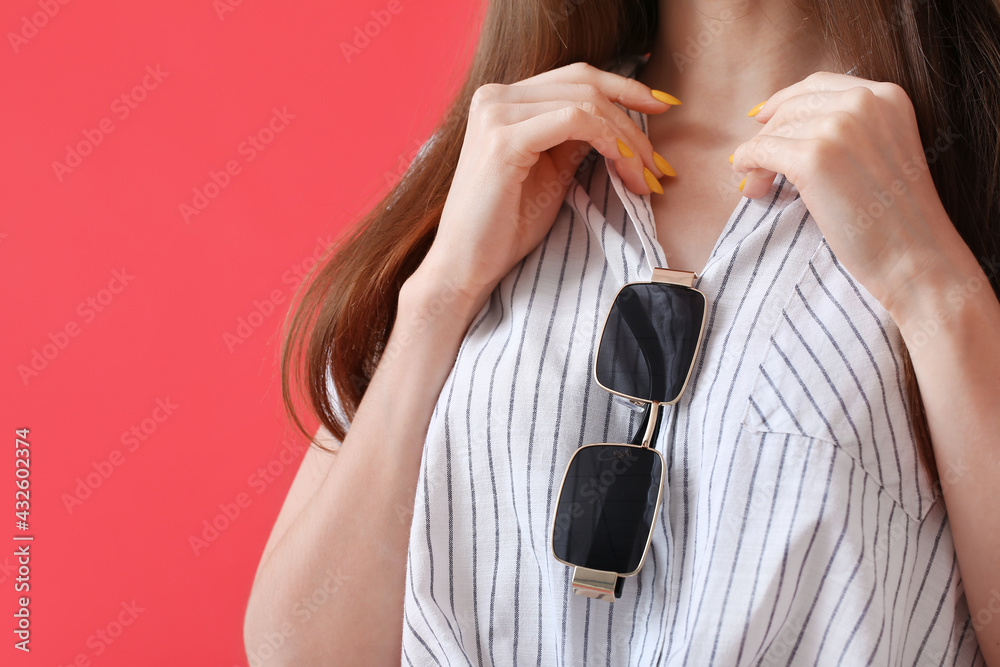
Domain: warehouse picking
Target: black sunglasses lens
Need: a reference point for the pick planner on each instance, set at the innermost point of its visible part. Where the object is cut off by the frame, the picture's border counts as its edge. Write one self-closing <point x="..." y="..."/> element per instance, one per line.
<point x="649" y="340"/>
<point x="606" y="507"/>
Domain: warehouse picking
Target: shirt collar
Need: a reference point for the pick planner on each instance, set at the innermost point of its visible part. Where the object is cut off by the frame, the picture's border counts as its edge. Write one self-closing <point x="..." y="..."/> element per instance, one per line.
<point x="639" y="207"/>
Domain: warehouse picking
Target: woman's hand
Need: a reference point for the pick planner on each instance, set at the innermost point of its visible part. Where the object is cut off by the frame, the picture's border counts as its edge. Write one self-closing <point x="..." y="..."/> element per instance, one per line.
<point x="522" y="147"/>
<point x="852" y="148"/>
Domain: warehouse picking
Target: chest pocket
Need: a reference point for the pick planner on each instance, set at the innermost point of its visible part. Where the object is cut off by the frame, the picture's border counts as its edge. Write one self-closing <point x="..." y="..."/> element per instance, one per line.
<point x="832" y="370"/>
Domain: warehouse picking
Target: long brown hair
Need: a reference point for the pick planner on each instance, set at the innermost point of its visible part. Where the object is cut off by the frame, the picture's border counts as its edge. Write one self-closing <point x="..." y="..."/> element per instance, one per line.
<point x="945" y="55"/>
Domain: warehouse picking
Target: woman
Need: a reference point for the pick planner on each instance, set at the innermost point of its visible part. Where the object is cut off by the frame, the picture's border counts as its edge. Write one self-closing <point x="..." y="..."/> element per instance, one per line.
<point x="803" y="517"/>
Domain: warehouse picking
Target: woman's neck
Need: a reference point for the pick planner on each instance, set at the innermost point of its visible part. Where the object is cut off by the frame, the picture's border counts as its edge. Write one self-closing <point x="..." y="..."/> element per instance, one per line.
<point x="722" y="57"/>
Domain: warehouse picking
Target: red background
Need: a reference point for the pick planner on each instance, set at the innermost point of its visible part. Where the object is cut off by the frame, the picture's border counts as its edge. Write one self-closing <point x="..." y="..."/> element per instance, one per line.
<point x="161" y="335"/>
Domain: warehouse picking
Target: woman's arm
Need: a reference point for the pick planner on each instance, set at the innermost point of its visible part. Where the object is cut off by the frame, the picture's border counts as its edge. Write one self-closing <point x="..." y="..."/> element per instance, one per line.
<point x="330" y="591"/>
<point x="949" y="318"/>
<point x="348" y="542"/>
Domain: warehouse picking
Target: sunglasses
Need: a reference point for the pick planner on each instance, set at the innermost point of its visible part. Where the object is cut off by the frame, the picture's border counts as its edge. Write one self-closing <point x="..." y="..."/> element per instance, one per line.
<point x="611" y="493"/>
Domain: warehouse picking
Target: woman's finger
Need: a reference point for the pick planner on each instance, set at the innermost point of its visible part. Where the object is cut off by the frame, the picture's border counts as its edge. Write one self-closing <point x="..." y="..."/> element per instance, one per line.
<point x="791" y="113"/>
<point x="527" y="139"/>
<point x="765" y="155"/>
<point x="628" y="92"/>
<point x="587" y="93"/>
<point x="635" y="139"/>
<point x="828" y="117"/>
<point x="815" y="86"/>
<point x="757" y="182"/>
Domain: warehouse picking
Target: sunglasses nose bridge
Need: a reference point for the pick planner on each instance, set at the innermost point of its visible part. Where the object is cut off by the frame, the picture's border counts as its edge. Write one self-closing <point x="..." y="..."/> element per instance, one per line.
<point x="651" y="423"/>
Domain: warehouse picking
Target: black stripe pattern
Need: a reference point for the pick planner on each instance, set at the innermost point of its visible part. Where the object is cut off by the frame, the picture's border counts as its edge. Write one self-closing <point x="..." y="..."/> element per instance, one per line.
<point x="798" y="527"/>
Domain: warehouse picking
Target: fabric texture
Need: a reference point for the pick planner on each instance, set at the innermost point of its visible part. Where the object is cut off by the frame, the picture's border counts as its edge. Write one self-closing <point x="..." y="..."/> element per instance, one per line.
<point x="797" y="527"/>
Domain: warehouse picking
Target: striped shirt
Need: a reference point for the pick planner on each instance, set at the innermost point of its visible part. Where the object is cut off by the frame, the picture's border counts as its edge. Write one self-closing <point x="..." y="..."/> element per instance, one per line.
<point x="797" y="527"/>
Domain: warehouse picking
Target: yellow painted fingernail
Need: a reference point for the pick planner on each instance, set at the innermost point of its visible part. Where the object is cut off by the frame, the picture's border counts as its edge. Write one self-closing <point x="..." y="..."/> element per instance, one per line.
<point x="665" y="97"/>
<point x="623" y="149"/>
<point x="753" y="112"/>
<point x="651" y="181"/>
<point x="742" y="183"/>
<point x="731" y="158"/>
<point x="663" y="165"/>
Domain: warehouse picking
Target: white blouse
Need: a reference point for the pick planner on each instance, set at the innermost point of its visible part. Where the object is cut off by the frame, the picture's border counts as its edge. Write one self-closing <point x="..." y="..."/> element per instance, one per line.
<point x="797" y="525"/>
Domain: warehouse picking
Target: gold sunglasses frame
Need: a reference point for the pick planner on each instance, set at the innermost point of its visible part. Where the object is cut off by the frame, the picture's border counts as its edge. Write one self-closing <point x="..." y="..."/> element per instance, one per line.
<point x="601" y="584"/>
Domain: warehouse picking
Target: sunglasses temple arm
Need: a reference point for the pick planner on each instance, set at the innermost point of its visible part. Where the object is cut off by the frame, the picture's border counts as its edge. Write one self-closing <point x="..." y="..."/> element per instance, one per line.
<point x="649" y="426"/>
<point x="645" y="435"/>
